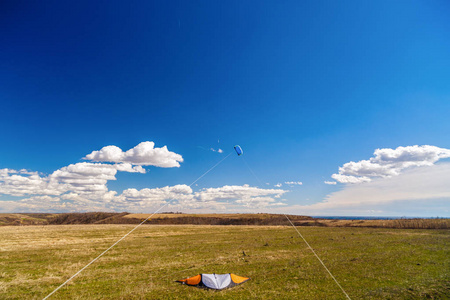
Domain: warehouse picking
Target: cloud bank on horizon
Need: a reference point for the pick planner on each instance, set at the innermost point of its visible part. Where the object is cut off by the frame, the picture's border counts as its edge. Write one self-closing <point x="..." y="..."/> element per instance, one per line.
<point x="403" y="180"/>
<point x="83" y="186"/>
<point x="415" y="192"/>
<point x="402" y="175"/>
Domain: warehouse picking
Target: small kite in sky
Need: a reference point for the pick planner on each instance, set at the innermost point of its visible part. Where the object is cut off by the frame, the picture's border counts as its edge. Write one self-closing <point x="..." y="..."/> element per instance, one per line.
<point x="239" y="150"/>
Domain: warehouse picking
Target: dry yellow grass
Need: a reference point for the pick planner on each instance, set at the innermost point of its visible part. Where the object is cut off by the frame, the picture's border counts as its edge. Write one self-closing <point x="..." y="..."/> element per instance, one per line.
<point x="370" y="263"/>
<point x="396" y="223"/>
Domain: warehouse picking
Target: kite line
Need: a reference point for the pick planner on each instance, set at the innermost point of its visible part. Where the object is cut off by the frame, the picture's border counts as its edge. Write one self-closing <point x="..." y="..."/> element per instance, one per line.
<point x="211" y="169"/>
<point x="317" y="256"/>
<point x="73" y="276"/>
<point x="303" y="238"/>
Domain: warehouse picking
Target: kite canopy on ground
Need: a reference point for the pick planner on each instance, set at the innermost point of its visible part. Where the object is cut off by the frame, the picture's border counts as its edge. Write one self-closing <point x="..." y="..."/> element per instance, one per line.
<point x="214" y="281"/>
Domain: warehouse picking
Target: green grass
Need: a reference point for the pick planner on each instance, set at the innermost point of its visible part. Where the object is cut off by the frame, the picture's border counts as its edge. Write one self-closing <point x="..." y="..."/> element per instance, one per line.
<point x="369" y="263"/>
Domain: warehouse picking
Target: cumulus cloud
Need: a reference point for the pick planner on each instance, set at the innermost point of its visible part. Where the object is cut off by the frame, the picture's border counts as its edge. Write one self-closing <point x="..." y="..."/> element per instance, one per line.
<point x="330" y="182"/>
<point x="80" y="177"/>
<point x="24" y="171"/>
<point x="83" y="177"/>
<point x="294" y="182"/>
<point x="83" y="187"/>
<point x="245" y="195"/>
<point x="124" y="167"/>
<point x="218" y="150"/>
<point x="278" y="185"/>
<point x="178" y="196"/>
<point x="157" y="195"/>
<point x="415" y="190"/>
<point x="350" y="179"/>
<point x="15" y="184"/>
<point x="144" y="154"/>
<point x="6" y="172"/>
<point x="56" y="204"/>
<point x="390" y="162"/>
<point x="182" y="197"/>
<point x="85" y="181"/>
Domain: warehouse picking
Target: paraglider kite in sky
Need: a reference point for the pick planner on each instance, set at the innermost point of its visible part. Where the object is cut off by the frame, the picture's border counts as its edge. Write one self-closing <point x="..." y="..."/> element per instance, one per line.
<point x="239" y="150"/>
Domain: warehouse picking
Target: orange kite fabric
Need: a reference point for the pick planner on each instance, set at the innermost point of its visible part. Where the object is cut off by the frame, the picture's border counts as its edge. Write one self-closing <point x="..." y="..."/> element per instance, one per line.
<point x="214" y="281"/>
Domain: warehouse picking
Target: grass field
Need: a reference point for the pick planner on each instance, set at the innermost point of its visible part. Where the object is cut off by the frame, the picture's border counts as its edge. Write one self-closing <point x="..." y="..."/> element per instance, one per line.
<point x="369" y="263"/>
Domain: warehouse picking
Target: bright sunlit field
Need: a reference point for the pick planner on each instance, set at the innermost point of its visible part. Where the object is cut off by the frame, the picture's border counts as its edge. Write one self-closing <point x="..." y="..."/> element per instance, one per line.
<point x="369" y="263"/>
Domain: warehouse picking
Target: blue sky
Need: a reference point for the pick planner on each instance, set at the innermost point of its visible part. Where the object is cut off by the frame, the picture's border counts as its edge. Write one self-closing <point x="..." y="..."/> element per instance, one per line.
<point x="304" y="87"/>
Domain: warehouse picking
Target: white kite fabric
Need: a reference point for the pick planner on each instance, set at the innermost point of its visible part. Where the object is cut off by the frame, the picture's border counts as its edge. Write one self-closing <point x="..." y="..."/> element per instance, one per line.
<point x="216" y="281"/>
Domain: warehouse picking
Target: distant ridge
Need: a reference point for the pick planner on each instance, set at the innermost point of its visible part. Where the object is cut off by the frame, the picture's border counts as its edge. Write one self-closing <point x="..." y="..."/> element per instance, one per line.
<point x="260" y="219"/>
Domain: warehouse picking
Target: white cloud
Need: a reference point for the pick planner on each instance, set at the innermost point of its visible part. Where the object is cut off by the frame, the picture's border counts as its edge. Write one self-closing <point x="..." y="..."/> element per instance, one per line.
<point x="244" y="195"/>
<point x="124" y="167"/>
<point x="390" y="162"/>
<point x="420" y="191"/>
<point x="80" y="177"/>
<point x="330" y="182"/>
<point x="350" y="179"/>
<point x="218" y="150"/>
<point x="83" y="177"/>
<point x="278" y="185"/>
<point x="144" y="154"/>
<point x="294" y="182"/>
<point x="58" y="204"/>
<point x="11" y="183"/>
<point x="24" y="171"/>
<point x="6" y="172"/>
<point x="209" y="199"/>
<point x="419" y="183"/>
<point x="86" y="179"/>
<point x="83" y="187"/>
<point x="157" y="195"/>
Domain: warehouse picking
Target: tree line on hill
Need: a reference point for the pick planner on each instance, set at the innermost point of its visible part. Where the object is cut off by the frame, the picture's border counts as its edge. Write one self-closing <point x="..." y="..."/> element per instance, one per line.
<point x="246" y="219"/>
